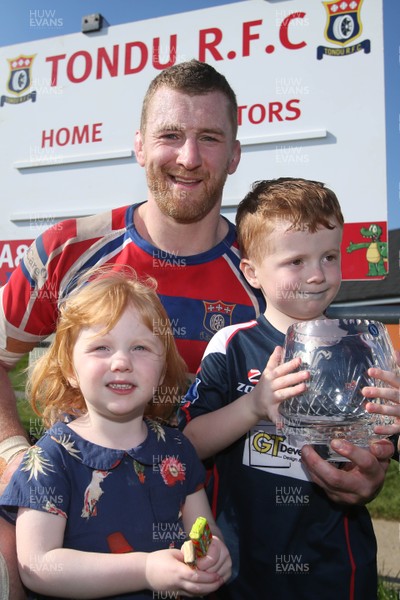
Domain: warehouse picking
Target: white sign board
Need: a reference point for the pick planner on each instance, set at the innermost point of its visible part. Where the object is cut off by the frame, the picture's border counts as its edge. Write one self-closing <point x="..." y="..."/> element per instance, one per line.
<point x="309" y="78"/>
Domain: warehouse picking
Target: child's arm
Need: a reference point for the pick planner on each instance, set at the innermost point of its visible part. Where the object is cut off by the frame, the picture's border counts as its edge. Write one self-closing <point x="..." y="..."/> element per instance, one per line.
<point x="212" y="432"/>
<point x="217" y="559"/>
<point x="47" y="568"/>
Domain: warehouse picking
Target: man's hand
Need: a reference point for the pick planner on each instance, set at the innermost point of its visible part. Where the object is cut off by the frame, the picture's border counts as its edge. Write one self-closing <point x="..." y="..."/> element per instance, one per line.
<point x="7" y="469"/>
<point x="358" y="481"/>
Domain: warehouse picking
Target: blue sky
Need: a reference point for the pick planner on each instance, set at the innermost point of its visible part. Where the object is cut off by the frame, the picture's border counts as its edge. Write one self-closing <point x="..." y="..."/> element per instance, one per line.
<point x="15" y="27"/>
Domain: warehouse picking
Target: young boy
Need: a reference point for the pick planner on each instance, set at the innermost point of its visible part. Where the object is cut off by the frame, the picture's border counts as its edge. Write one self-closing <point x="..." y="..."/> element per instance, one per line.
<point x="288" y="538"/>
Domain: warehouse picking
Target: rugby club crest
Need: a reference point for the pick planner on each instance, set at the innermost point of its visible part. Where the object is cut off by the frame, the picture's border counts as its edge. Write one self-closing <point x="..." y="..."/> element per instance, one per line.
<point x="343" y="25"/>
<point x="19" y="80"/>
<point x="217" y="315"/>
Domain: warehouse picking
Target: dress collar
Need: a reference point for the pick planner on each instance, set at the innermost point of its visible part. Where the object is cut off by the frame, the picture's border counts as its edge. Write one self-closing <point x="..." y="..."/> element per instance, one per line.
<point x="149" y="452"/>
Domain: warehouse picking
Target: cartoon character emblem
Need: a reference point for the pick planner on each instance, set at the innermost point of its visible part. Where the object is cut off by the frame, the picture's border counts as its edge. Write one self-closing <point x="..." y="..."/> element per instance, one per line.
<point x="217" y="315"/>
<point x="343" y="22"/>
<point x="376" y="250"/>
<point x="19" y="80"/>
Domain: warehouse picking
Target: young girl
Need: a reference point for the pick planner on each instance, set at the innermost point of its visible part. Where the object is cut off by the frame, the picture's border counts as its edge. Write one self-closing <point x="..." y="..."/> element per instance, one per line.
<point x="106" y="495"/>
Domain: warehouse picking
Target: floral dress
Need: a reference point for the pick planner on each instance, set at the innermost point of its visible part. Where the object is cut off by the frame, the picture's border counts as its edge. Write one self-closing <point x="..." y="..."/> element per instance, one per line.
<point x="113" y="500"/>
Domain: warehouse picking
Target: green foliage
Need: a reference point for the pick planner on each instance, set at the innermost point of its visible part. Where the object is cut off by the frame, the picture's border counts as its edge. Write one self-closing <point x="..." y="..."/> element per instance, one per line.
<point x="387" y="591"/>
<point x="387" y="504"/>
<point x="18" y="375"/>
<point x="18" y="380"/>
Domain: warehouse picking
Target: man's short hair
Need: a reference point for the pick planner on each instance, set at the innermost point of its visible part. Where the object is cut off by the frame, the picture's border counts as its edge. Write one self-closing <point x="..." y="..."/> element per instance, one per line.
<point x="193" y="78"/>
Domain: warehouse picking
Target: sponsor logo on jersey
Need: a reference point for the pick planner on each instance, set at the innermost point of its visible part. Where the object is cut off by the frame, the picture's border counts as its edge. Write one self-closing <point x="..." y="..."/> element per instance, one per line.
<point x="254" y="375"/>
<point x="269" y="451"/>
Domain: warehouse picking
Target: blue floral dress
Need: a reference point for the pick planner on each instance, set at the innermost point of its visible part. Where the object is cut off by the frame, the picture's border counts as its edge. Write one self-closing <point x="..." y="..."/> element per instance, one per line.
<point x="113" y="501"/>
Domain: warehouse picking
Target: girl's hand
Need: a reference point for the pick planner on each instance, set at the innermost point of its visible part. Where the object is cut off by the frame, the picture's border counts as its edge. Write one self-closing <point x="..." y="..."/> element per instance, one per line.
<point x="217" y="560"/>
<point x="166" y="572"/>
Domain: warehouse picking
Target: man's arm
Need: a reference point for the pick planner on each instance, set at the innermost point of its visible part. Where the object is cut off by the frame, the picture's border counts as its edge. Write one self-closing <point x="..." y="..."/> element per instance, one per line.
<point x="12" y="434"/>
<point x="28" y="312"/>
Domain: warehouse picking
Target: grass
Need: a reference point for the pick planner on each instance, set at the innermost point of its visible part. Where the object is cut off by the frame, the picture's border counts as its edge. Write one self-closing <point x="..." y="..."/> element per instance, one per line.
<point x="387" y="504"/>
<point x="17" y="375"/>
<point x="386" y="591"/>
<point x="31" y="421"/>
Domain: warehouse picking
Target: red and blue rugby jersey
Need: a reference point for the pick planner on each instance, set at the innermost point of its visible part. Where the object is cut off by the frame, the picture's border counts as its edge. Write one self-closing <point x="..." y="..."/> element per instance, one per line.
<point x="201" y="293"/>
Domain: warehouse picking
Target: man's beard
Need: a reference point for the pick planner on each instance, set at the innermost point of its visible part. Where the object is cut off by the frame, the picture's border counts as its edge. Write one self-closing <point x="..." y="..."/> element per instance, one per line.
<point x="181" y="205"/>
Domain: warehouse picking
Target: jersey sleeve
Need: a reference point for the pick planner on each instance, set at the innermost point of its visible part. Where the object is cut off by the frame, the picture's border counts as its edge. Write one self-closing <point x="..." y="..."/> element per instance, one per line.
<point x="28" y="307"/>
<point x="29" y="300"/>
<point x="210" y="391"/>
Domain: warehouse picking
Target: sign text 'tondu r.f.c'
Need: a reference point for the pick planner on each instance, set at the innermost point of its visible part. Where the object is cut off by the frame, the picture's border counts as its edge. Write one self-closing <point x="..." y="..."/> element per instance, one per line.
<point x="132" y="57"/>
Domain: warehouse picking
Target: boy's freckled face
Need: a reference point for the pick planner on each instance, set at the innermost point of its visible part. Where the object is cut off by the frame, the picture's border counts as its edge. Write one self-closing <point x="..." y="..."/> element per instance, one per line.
<point x="300" y="273"/>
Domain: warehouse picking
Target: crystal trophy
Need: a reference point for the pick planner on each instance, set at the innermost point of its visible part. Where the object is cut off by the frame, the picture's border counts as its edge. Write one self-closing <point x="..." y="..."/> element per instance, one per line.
<point x="338" y="354"/>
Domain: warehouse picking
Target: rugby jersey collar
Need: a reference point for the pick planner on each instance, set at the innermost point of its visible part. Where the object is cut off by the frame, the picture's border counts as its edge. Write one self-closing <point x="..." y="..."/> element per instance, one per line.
<point x="195" y="259"/>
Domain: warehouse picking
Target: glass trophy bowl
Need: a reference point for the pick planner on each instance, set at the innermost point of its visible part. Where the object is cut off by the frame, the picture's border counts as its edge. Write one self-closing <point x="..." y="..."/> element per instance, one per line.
<point x="338" y="354"/>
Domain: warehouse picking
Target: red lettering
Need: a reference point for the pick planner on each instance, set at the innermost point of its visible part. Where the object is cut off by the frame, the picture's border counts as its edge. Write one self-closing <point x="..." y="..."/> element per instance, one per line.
<point x="64" y="131"/>
<point x="275" y="111"/>
<point x="80" y="136"/>
<point x="88" y="63"/>
<point x="284" y="30"/>
<point x="54" y="69"/>
<point x="172" y="53"/>
<point x="47" y="137"/>
<point x="262" y="112"/>
<point x="294" y="109"/>
<point x="240" y="114"/>
<point x="272" y="111"/>
<point x="247" y="36"/>
<point x="205" y="45"/>
<point x="97" y="132"/>
<point x="103" y="57"/>
<point x="129" y="70"/>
